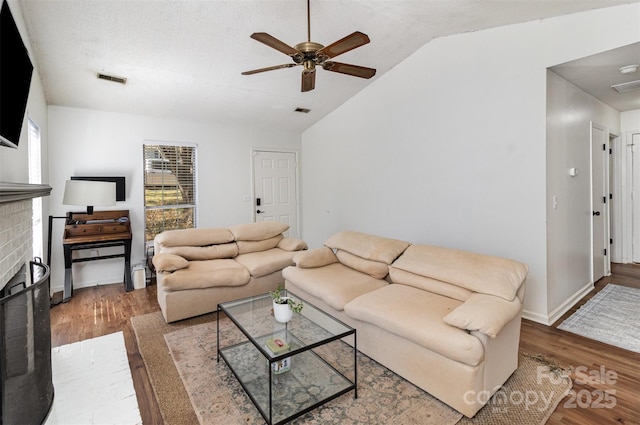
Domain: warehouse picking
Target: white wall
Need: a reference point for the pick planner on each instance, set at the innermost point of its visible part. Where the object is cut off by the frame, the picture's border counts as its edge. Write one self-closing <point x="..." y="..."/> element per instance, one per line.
<point x="86" y="142"/>
<point x="449" y="147"/>
<point x="629" y="202"/>
<point x="630" y="120"/>
<point x="570" y="112"/>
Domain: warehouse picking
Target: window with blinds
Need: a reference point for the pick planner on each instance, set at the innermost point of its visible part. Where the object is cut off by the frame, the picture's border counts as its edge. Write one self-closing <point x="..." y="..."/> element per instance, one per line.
<point x="170" y="199"/>
<point x="35" y="177"/>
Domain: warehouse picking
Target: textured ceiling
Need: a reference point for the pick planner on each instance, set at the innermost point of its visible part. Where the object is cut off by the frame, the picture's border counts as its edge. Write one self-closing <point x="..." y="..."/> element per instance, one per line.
<point x="183" y="58"/>
<point x="597" y="73"/>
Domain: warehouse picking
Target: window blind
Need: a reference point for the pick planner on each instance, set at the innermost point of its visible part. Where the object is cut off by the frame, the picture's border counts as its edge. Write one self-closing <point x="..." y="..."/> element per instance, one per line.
<point x="169" y="188"/>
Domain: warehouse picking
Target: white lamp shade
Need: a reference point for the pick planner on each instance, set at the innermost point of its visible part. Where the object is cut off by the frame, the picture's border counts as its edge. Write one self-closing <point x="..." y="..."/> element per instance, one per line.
<point x="89" y="193"/>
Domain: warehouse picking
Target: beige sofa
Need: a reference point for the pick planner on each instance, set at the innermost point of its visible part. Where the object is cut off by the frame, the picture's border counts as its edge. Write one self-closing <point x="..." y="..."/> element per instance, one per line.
<point x="199" y="268"/>
<point x="446" y="320"/>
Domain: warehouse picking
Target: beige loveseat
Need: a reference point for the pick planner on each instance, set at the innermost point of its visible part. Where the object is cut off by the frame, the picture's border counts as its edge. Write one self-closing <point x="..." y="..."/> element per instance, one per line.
<point x="446" y="320"/>
<point x="199" y="268"/>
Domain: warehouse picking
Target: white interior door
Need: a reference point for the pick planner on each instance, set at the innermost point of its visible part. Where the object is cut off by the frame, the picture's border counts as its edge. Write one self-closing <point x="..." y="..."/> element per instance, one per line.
<point x="600" y="201"/>
<point x="635" y="195"/>
<point x="275" y="188"/>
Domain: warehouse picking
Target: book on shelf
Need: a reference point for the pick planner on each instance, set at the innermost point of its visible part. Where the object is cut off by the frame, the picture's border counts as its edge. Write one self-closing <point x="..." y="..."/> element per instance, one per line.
<point x="277" y="345"/>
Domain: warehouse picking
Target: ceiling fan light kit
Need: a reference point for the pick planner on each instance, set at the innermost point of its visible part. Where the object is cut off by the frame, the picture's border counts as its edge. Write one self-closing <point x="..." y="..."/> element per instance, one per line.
<point x="310" y="54"/>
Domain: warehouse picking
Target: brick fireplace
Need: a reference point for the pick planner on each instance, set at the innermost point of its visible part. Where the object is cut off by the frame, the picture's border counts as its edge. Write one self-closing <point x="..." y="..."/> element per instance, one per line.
<point x="26" y="387"/>
<point x="15" y="237"/>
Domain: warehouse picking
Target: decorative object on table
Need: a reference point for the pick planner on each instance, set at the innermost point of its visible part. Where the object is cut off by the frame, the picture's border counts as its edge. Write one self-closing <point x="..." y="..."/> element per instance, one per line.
<point x="284" y="306"/>
<point x="278" y="346"/>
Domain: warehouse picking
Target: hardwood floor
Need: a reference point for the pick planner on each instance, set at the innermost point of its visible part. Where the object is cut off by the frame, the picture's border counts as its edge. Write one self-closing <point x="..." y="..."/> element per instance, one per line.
<point x="568" y="349"/>
<point x="101" y="310"/>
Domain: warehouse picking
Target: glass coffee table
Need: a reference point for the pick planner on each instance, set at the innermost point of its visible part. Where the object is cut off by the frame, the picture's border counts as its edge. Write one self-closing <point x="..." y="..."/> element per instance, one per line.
<point x="288" y="369"/>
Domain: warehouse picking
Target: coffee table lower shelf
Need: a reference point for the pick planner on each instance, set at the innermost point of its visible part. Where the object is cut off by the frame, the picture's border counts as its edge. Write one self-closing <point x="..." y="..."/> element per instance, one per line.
<point x="310" y="382"/>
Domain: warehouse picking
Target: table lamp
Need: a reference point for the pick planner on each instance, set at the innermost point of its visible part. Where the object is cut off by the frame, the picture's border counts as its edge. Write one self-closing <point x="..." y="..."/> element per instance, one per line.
<point x="89" y="193"/>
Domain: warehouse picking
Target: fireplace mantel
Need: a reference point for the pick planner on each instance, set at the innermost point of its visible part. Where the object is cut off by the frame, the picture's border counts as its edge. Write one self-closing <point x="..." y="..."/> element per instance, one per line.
<point x="12" y="192"/>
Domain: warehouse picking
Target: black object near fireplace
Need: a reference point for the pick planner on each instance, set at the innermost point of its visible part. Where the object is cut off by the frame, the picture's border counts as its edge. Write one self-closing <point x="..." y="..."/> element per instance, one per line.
<point x="26" y="386"/>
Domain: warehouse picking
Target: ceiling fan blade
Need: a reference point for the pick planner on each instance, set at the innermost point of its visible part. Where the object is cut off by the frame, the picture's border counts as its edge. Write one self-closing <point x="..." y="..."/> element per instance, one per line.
<point x="345" y="44"/>
<point x="269" y="68"/>
<point x="345" y="68"/>
<point x="274" y="43"/>
<point x="308" y="79"/>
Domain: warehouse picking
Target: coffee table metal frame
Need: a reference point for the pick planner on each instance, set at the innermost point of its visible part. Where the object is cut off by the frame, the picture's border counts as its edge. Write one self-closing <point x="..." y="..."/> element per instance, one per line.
<point x="252" y="316"/>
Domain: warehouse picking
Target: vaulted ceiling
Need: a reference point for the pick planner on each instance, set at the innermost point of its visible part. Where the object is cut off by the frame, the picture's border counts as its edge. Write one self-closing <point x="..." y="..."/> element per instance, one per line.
<point x="183" y="58"/>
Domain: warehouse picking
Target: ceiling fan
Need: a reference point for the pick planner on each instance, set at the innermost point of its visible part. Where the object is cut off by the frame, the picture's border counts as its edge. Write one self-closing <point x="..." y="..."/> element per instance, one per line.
<point x="310" y="54"/>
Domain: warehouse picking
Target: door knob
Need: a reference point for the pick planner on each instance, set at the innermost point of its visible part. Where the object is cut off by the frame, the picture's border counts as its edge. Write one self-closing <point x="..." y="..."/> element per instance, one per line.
<point x="596" y="213"/>
<point x="262" y="212"/>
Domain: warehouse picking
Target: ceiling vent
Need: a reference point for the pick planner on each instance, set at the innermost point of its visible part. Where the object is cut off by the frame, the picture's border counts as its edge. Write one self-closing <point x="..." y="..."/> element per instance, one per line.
<point x="627" y="87"/>
<point x="112" y="78"/>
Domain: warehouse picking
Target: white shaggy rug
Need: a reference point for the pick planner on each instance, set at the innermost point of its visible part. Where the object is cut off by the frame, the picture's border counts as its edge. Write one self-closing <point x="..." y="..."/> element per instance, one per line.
<point x="93" y="384"/>
<point x="611" y="316"/>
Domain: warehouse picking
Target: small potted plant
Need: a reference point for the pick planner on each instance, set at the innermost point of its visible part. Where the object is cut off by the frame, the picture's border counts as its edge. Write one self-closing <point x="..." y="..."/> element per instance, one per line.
<point x="284" y="306"/>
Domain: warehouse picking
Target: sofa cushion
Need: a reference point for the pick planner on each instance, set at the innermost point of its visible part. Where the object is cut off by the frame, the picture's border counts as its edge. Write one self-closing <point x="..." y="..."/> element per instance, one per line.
<point x="374" y="269"/>
<point x="317" y="257"/>
<point x="169" y="262"/>
<point x="258" y="231"/>
<point x="485" y="313"/>
<point x="427" y="284"/>
<point x="211" y="252"/>
<point x="292" y="244"/>
<point x="206" y="274"/>
<point x="416" y="315"/>
<point x="262" y="263"/>
<point x="370" y="247"/>
<point x="476" y="272"/>
<point x="261" y="245"/>
<point x="336" y="284"/>
<point x="194" y="237"/>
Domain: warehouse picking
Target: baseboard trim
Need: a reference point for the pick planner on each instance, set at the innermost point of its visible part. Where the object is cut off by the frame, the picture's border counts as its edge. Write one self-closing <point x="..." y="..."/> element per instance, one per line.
<point x="570" y="302"/>
<point x="535" y="317"/>
<point x="561" y="309"/>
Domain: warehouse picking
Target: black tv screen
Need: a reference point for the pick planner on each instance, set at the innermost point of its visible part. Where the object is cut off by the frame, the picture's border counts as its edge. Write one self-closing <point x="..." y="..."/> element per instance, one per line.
<point x="119" y="181"/>
<point x="15" y="79"/>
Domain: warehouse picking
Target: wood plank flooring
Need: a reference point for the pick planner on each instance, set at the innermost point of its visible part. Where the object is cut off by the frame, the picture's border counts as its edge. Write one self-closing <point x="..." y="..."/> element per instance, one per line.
<point x="106" y="309"/>
<point x="102" y="310"/>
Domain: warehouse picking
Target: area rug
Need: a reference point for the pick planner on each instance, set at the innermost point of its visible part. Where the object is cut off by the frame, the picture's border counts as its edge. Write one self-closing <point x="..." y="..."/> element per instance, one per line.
<point x="171" y="396"/>
<point x="93" y="383"/>
<point x="611" y="317"/>
<point x="529" y="396"/>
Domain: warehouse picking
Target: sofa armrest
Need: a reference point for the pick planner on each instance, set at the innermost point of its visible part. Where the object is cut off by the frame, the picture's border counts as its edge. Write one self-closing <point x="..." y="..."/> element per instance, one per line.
<point x="313" y="258"/>
<point x="484" y="313"/>
<point x="292" y="244"/>
<point x="169" y="262"/>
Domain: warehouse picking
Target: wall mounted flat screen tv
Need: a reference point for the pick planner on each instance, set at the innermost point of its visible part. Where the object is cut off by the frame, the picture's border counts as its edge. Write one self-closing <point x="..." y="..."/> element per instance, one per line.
<point x="119" y="181"/>
<point x="15" y="79"/>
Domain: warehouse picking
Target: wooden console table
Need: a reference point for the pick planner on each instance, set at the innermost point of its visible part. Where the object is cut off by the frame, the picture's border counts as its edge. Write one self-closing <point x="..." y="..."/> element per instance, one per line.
<point x="102" y="229"/>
